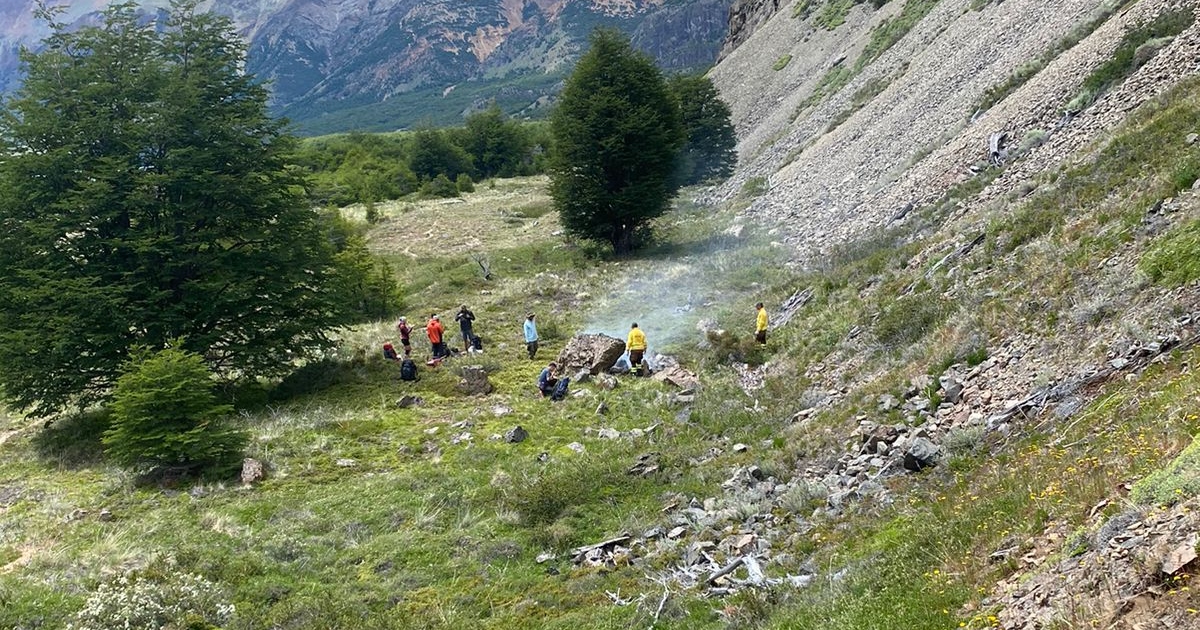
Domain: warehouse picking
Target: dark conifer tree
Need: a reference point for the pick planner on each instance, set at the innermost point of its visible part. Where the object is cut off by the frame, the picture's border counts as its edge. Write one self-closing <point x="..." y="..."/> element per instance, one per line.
<point x="144" y="196"/>
<point x="617" y="136"/>
<point x="709" y="152"/>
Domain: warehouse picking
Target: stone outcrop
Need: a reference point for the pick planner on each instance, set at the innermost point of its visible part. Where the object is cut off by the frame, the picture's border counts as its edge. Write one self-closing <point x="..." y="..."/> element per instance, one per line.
<point x="594" y="353"/>
<point x="745" y="16"/>
<point x="474" y="381"/>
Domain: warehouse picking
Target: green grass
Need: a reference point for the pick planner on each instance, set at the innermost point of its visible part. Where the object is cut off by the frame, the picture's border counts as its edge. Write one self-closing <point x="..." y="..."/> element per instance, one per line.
<point x="1138" y="46"/>
<point x="781" y="63"/>
<point x="1146" y="162"/>
<point x="427" y="529"/>
<point x="833" y="14"/>
<point x="891" y="31"/>
<point x="883" y="37"/>
<point x="1030" y="69"/>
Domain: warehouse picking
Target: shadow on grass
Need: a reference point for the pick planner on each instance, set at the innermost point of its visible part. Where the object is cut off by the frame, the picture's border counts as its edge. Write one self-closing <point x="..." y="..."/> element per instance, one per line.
<point x="73" y="441"/>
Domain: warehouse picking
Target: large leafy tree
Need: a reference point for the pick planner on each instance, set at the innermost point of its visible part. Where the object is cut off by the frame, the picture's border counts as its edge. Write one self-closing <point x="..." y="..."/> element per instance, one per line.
<point x="497" y="144"/>
<point x="433" y="154"/>
<point x="144" y="196"/>
<point x="617" y="136"/>
<point x="709" y="152"/>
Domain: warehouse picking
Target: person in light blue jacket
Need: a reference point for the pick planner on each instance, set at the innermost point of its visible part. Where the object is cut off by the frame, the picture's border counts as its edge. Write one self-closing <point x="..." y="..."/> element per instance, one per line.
<point x="531" y="336"/>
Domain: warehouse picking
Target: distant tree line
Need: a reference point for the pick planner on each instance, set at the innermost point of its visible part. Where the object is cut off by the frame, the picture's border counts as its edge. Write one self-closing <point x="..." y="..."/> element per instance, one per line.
<point x="371" y="167"/>
<point x="364" y="168"/>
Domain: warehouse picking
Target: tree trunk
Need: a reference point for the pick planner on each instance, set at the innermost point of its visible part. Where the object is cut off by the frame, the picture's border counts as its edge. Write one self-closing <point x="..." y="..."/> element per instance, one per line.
<point x="622" y="239"/>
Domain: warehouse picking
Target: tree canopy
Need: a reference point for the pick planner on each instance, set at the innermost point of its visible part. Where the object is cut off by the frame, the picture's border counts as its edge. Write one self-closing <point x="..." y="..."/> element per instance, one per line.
<point x="145" y="196"/>
<point x="709" y="151"/>
<point x="617" y="136"/>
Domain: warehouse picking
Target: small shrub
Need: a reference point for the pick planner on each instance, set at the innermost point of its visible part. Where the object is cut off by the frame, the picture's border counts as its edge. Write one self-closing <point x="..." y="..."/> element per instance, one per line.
<point x="782" y="62"/>
<point x="1175" y="260"/>
<point x="439" y="186"/>
<point x="754" y="187"/>
<point x="145" y="601"/>
<point x="372" y="212"/>
<point x="1077" y="543"/>
<point x="907" y="319"/>
<point x="464" y="184"/>
<point x="1185" y="174"/>
<point x="833" y="14"/>
<point x="804" y="497"/>
<point x="165" y="416"/>
<point x="576" y="482"/>
<point x="963" y="441"/>
<point x="1178" y="481"/>
<point x="729" y="346"/>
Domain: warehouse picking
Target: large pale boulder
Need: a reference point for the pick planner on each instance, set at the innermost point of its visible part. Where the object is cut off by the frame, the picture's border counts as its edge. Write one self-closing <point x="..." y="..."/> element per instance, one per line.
<point x="594" y="353"/>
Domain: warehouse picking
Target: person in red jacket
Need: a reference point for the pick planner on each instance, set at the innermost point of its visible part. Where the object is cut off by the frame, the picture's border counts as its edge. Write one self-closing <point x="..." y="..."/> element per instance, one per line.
<point x="434" y="330"/>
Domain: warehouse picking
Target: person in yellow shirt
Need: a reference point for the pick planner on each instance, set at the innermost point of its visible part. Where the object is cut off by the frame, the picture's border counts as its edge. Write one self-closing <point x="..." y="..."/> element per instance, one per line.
<point x="760" y="326"/>
<point x="636" y="344"/>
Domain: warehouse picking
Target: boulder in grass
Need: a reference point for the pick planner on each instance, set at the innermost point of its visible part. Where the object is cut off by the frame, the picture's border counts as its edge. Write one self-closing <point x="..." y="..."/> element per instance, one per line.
<point x="679" y="377"/>
<point x="474" y="380"/>
<point x="594" y="353"/>
<point x="253" y="471"/>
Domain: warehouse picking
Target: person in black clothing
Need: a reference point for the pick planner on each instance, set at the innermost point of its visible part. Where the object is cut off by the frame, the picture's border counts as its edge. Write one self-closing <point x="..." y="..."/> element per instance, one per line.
<point x="546" y="380"/>
<point x="465" y="318"/>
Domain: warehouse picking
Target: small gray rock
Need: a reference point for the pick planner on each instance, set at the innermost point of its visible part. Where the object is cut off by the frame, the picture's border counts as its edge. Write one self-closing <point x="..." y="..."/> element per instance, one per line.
<point x="406" y="401"/>
<point x="516" y="434"/>
<point x="920" y="454"/>
<point x="253" y="471"/>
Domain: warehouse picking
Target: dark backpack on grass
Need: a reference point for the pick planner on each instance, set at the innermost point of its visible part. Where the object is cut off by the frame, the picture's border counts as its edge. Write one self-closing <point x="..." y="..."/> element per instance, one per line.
<point x="477" y="342"/>
<point x="408" y="370"/>
<point x="560" y="389"/>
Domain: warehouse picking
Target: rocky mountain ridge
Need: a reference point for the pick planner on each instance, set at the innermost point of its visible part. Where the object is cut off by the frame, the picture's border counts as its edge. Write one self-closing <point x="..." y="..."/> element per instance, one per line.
<point x="332" y="63"/>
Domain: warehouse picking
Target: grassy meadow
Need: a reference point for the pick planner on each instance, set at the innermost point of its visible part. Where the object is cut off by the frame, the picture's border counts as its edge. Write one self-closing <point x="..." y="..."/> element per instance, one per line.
<point x="377" y="516"/>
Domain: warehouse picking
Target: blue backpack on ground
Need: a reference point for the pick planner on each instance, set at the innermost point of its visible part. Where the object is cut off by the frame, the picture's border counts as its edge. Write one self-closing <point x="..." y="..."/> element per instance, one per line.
<point x="477" y="342"/>
<point x="560" y="390"/>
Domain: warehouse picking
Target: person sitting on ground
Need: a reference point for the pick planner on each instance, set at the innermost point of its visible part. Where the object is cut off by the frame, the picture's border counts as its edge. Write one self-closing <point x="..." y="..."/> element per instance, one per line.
<point x="434" y="330"/>
<point x="389" y="352"/>
<point x="405" y="335"/>
<point x="464" y="319"/>
<point x="636" y="343"/>
<point x="531" y="336"/>
<point x="760" y="325"/>
<point x="546" y="380"/>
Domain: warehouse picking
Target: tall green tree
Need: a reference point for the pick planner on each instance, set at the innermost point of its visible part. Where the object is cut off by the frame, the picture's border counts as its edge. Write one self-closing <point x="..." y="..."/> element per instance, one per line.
<point x="497" y="144"/>
<point x="710" y="149"/>
<point x="617" y="136"/>
<point x="145" y="196"/>
<point x="433" y="154"/>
